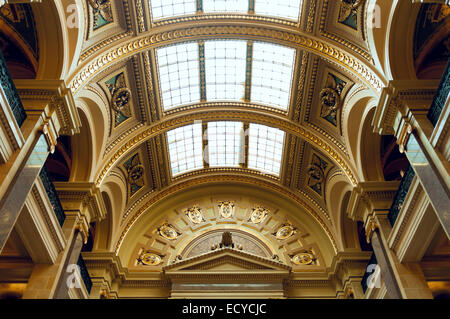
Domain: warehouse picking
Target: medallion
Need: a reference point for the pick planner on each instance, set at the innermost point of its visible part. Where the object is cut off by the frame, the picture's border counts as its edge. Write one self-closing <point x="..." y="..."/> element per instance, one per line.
<point x="150" y="259"/>
<point x="258" y="215"/>
<point x="226" y="209"/>
<point x="168" y="231"/>
<point x="285" y="231"/>
<point x="303" y="259"/>
<point x="195" y="215"/>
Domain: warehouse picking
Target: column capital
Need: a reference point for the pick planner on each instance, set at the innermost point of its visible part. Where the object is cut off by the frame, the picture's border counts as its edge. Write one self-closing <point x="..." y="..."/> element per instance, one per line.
<point x="399" y="99"/>
<point x="53" y="100"/>
<point x="83" y="197"/>
<point x="369" y="196"/>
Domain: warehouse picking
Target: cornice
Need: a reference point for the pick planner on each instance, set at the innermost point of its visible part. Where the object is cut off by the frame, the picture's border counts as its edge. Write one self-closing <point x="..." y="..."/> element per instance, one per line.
<point x="168" y="123"/>
<point x="211" y="179"/>
<point x="163" y="36"/>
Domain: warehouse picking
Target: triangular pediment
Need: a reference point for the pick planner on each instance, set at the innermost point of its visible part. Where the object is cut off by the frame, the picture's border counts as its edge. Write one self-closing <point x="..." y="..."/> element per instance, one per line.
<point x="227" y="260"/>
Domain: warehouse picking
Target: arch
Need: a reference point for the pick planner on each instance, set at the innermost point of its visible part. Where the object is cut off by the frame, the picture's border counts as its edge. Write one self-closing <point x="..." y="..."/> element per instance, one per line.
<point x="369" y="148"/>
<point x="233" y="30"/>
<point x="337" y="188"/>
<point x="136" y="229"/>
<point x="249" y="115"/>
<point x="83" y="149"/>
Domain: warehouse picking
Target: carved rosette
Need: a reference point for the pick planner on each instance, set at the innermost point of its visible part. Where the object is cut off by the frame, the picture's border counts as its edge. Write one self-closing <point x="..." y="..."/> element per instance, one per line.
<point x="226" y="209"/>
<point x="195" y="215"/>
<point x="150" y="259"/>
<point x="169" y="232"/>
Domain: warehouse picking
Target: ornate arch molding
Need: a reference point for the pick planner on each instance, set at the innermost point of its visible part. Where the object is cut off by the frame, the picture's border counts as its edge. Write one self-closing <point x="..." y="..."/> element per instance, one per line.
<point x="137" y="138"/>
<point x="174" y="33"/>
<point x="209" y="180"/>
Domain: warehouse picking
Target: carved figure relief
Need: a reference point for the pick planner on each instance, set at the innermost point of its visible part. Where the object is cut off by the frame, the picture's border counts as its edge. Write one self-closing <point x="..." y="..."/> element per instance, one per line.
<point x="348" y="13"/>
<point x="102" y="12"/>
<point x="120" y="98"/>
<point x="135" y="174"/>
<point x="316" y="174"/>
<point x="304" y="258"/>
<point x="330" y="98"/>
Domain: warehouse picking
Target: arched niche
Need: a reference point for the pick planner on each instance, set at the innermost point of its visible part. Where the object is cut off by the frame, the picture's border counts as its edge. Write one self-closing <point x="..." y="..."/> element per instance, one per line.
<point x="369" y="161"/>
<point x="141" y="235"/>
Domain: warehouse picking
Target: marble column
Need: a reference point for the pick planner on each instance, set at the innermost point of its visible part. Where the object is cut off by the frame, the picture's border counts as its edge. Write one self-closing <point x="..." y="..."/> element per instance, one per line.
<point x="69" y="278"/>
<point x="387" y="273"/>
<point x="12" y="203"/>
<point x="434" y="186"/>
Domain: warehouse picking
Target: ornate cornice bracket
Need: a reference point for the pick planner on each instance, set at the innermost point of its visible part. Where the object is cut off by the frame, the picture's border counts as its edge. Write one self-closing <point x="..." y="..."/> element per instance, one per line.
<point x="369" y="196"/>
<point x="54" y="100"/>
<point x="82" y="197"/>
<point x="400" y="98"/>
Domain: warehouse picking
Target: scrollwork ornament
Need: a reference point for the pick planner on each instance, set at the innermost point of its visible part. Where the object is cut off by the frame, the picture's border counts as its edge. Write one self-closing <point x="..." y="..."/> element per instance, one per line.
<point x="103" y="7"/>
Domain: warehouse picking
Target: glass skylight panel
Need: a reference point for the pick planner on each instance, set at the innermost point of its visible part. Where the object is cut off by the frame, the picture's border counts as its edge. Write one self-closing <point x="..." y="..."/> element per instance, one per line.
<point x="172" y="8"/>
<point x="225" y="65"/>
<point x="240" y="6"/>
<point x="272" y="74"/>
<point x="265" y="148"/>
<point x="289" y="9"/>
<point x="225" y="143"/>
<point x="179" y="74"/>
<point x="185" y="148"/>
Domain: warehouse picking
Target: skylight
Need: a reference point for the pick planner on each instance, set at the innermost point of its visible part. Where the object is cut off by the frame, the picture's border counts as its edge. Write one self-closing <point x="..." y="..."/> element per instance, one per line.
<point x="225" y="70"/>
<point x="171" y="8"/>
<point x="221" y="144"/>
<point x="225" y="63"/>
<point x="185" y="148"/>
<point x="284" y="9"/>
<point x="179" y="74"/>
<point x="225" y="143"/>
<point x="265" y="148"/>
<point x="272" y="74"/>
<point x="225" y="6"/>
<point x="289" y="9"/>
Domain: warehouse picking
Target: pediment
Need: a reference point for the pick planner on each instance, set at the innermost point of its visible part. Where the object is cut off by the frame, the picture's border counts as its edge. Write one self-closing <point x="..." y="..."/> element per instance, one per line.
<point x="227" y="260"/>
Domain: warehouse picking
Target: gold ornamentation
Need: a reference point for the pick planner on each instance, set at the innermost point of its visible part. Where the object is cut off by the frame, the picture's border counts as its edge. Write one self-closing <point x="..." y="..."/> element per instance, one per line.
<point x="371" y="227"/>
<point x="285" y="231"/>
<point x="195" y="215"/>
<point x="224" y="179"/>
<point x="150" y="259"/>
<point x="104" y="9"/>
<point x="327" y="147"/>
<point x="347" y="8"/>
<point x="258" y="215"/>
<point x="120" y="99"/>
<point x="364" y="71"/>
<point x="168" y="231"/>
<point x="226" y="209"/>
<point x="303" y="258"/>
